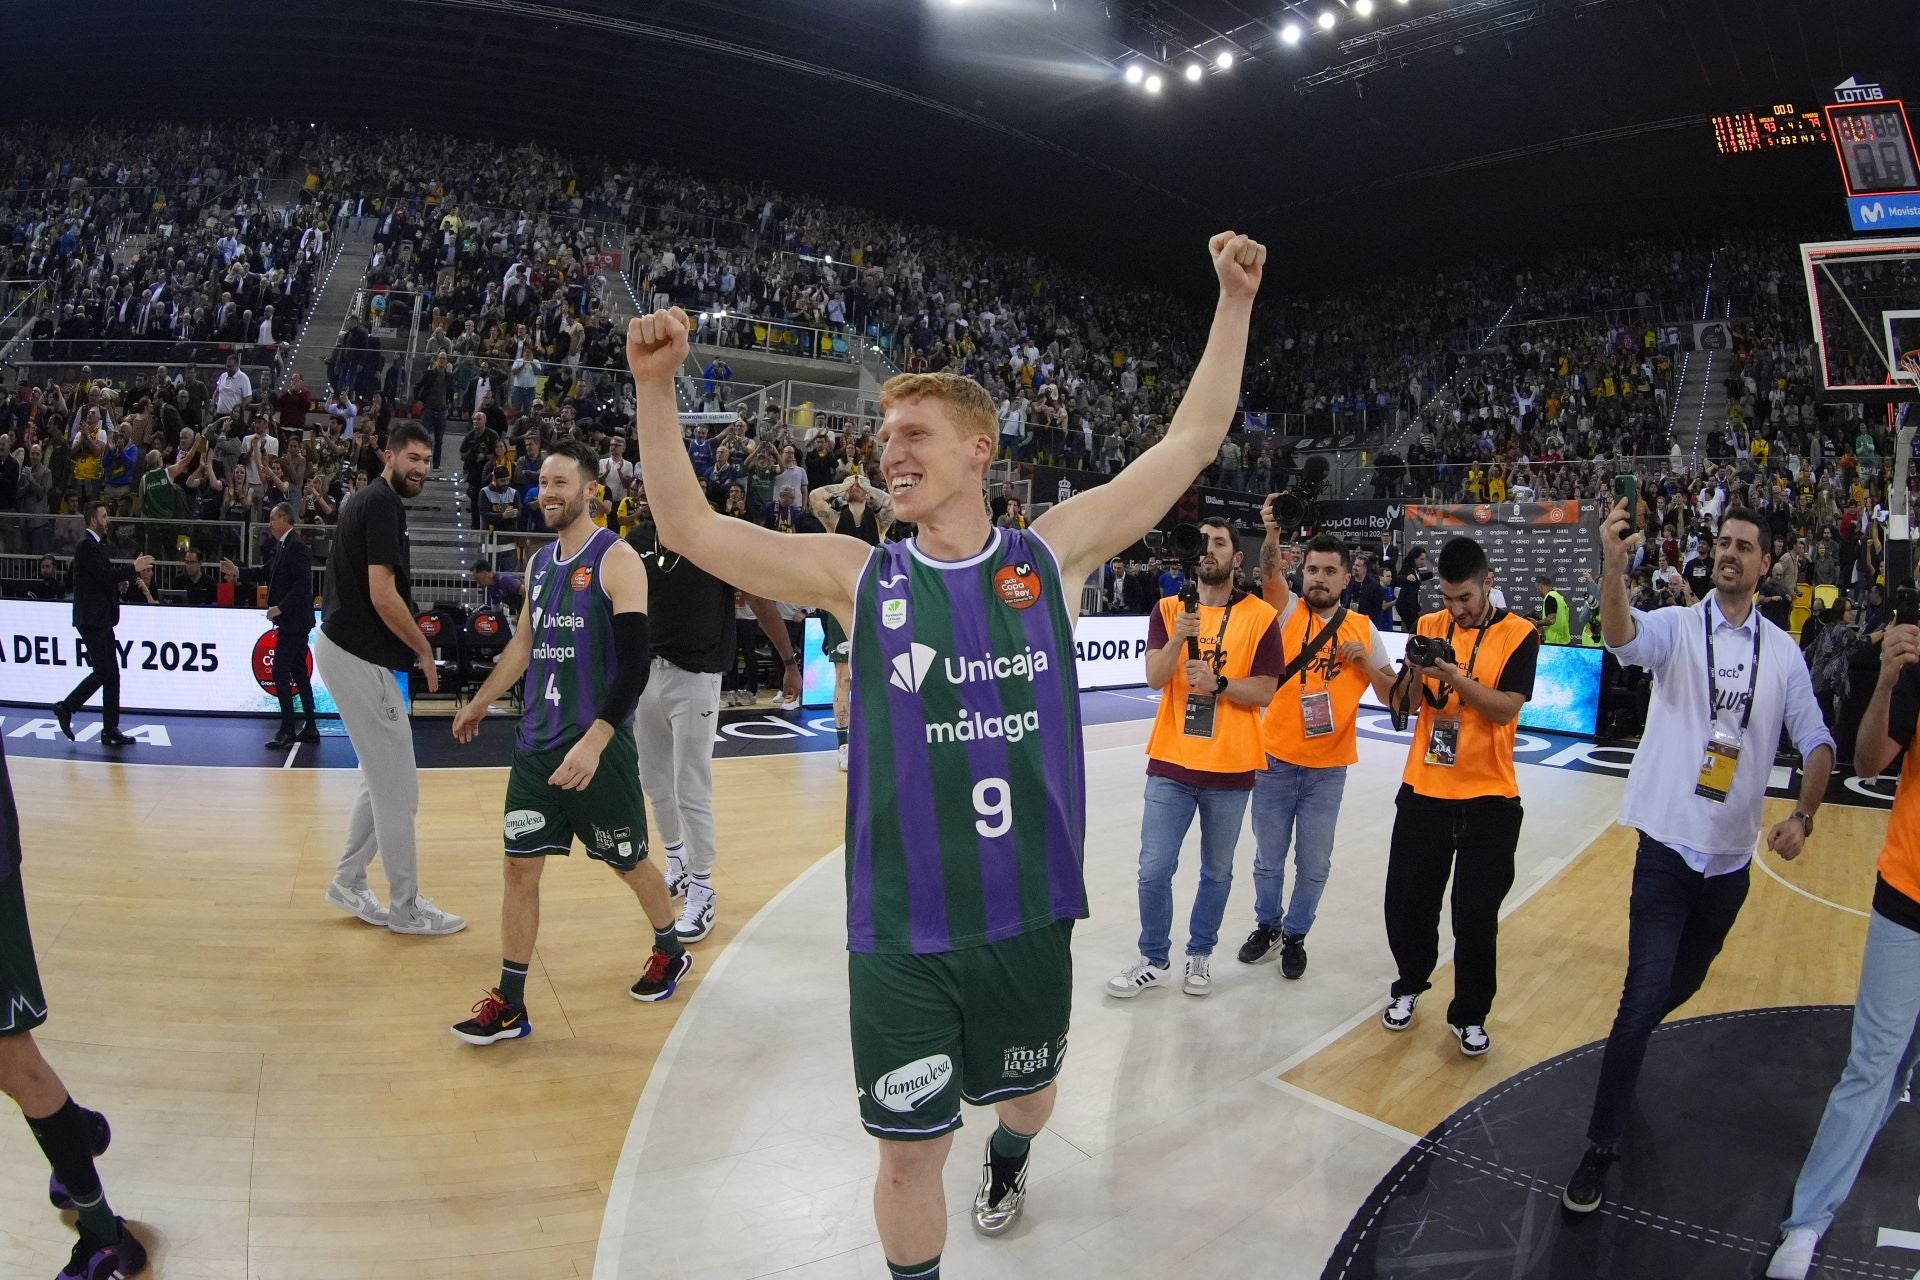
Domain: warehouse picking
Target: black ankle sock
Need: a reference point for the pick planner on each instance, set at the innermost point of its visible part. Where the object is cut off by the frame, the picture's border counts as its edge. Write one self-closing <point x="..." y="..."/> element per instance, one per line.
<point x="67" y="1138"/>
<point x="929" y="1270"/>
<point x="667" y="940"/>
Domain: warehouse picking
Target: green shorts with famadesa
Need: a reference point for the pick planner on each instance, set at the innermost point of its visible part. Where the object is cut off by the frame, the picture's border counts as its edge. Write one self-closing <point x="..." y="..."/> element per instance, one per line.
<point x="609" y="817"/>
<point x="979" y="1025"/>
<point x="23" y="1005"/>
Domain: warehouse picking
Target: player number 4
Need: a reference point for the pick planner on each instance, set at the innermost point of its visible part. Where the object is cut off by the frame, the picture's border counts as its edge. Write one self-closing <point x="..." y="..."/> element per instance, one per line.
<point x="993" y="801"/>
<point x="553" y="690"/>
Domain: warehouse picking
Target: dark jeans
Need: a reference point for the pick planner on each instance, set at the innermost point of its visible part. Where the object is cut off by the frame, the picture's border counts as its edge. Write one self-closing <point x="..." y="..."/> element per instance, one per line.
<point x="104" y="657"/>
<point x="744" y="676"/>
<point x="1471" y="842"/>
<point x="1676" y="925"/>
<point x="290" y="675"/>
<point x="435" y="421"/>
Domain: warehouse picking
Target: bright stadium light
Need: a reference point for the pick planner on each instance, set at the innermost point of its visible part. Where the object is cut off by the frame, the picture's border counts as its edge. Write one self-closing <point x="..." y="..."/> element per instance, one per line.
<point x="1193" y="72"/>
<point x="1290" y="34"/>
<point x="1135" y="73"/>
<point x="1363" y="7"/>
<point x="1153" y="83"/>
<point x="1326" y="20"/>
<point x="1224" y="60"/>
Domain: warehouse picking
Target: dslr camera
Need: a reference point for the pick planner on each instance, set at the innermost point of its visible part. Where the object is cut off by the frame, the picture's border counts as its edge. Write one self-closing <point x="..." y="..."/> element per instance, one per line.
<point x="1424" y="651"/>
<point x="1186" y="544"/>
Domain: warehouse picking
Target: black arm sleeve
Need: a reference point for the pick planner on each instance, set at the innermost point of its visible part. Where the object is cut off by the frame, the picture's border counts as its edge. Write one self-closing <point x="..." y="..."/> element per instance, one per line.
<point x="631" y="664"/>
<point x="1517" y="675"/>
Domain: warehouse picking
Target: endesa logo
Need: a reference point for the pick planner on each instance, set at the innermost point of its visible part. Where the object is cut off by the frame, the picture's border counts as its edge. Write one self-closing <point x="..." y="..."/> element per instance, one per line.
<point x="263" y="662"/>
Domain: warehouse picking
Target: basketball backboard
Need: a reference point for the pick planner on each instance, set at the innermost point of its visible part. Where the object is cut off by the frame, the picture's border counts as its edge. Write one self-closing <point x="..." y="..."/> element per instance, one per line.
<point x="1864" y="297"/>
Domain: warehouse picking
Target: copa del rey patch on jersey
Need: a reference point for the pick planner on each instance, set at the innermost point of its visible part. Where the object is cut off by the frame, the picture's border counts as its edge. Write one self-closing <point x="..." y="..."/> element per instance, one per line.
<point x="1017" y="586"/>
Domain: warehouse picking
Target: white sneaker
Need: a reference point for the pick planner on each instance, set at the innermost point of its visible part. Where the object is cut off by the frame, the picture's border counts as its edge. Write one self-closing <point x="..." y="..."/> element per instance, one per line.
<point x="844" y="749"/>
<point x="1136" y="978"/>
<point x="696" y="918"/>
<point x="1399" y="1012"/>
<point x="358" y="903"/>
<point x="1474" y="1040"/>
<point x="676" y="878"/>
<point x="1199" y="976"/>
<point x="781" y="703"/>
<point x="1794" y="1258"/>
<point x="424" y="918"/>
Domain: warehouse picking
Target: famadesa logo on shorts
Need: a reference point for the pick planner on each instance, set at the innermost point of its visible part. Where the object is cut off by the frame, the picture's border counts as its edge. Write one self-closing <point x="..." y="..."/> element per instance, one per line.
<point x="524" y="822"/>
<point x="904" y="1088"/>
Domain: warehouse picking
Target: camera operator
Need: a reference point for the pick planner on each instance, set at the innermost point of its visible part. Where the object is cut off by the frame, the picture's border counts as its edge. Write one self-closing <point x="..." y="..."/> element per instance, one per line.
<point x="1308" y="736"/>
<point x="1469" y="669"/>
<point x="1214" y="655"/>
<point x="852" y="509"/>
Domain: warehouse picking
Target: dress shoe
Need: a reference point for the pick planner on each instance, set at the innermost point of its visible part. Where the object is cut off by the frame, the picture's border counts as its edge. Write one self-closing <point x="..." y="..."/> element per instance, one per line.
<point x="65" y="717"/>
<point x="280" y="742"/>
<point x="116" y="739"/>
<point x="310" y="734"/>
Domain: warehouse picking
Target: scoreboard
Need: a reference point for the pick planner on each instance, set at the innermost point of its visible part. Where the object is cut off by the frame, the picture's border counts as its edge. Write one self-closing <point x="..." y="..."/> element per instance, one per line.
<point x="1768" y="128"/>
<point x="1875" y="146"/>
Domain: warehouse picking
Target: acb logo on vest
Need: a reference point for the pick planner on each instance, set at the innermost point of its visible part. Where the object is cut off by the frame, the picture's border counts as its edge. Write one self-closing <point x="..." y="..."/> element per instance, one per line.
<point x="263" y="663"/>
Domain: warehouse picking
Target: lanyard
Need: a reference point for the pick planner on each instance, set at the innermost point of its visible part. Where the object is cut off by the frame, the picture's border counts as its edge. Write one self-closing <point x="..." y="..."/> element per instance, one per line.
<point x="1220" y="639"/>
<point x="1314" y="644"/>
<point x="1713" y="685"/>
<point x="1446" y="695"/>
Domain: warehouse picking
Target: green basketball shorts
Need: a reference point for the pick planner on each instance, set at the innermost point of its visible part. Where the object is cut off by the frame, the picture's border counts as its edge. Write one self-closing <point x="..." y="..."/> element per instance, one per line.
<point x="977" y="1025"/>
<point x="23" y="1005"/>
<point x="609" y="817"/>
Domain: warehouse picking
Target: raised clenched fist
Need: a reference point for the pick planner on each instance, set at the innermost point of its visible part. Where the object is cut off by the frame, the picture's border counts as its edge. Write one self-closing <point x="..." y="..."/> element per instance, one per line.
<point x="1239" y="261"/>
<point x="657" y="345"/>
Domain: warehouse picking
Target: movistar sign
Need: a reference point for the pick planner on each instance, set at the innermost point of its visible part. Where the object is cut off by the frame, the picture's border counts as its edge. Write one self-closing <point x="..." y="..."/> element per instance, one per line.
<point x="1885" y="213"/>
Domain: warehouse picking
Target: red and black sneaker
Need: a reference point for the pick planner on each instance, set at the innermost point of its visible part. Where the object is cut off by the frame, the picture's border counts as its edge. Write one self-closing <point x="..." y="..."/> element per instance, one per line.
<point x="115" y="1259"/>
<point x="99" y="1138"/>
<point x="661" y="976"/>
<point x="494" y="1019"/>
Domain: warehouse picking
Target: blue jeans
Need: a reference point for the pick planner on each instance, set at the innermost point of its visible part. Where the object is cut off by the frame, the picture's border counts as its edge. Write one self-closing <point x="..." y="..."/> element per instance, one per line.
<point x="520" y="399"/>
<point x="1886" y="1045"/>
<point x="1164" y="820"/>
<point x="1677" y="922"/>
<point x="1293" y="804"/>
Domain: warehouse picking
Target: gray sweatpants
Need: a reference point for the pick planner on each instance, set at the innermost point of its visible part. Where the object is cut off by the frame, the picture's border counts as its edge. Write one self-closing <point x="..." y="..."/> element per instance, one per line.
<point x="673" y="727"/>
<point x="376" y="718"/>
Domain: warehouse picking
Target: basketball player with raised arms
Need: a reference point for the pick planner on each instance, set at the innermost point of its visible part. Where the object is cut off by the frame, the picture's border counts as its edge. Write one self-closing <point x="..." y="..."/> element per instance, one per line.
<point x="966" y="799"/>
<point x="582" y="645"/>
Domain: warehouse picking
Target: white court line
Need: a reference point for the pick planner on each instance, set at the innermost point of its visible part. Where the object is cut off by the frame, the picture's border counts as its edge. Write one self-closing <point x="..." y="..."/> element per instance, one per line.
<point x="1333" y="1108"/>
<point x="1760" y="861"/>
<point x="290" y="756"/>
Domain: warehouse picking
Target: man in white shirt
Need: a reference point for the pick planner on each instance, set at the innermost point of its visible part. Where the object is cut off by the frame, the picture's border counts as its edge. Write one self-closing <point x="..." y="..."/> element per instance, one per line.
<point x="232" y="388"/>
<point x="1724" y="681"/>
<point x="265" y="337"/>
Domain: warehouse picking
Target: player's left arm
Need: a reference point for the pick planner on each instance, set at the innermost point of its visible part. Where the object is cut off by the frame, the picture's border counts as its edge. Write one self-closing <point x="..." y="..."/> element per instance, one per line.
<point x="1096" y="524"/>
<point x="623" y="577"/>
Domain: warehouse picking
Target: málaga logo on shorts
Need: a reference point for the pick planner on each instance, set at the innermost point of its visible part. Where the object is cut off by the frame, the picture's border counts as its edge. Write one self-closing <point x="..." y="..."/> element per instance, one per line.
<point x="1025" y="1062"/>
<point x="1017" y="585"/>
<point x="522" y="822"/>
<point x="904" y="1088"/>
<point x="582" y="578"/>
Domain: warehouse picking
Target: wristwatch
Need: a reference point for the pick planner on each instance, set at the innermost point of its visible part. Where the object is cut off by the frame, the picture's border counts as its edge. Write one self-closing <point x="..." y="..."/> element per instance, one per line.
<point x="1806" y="820"/>
<point x="1219" y="685"/>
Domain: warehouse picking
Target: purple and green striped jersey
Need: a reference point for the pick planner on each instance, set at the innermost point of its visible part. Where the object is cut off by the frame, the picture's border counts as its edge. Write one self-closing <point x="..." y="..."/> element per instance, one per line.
<point x="966" y="795"/>
<point x="573" y="649"/>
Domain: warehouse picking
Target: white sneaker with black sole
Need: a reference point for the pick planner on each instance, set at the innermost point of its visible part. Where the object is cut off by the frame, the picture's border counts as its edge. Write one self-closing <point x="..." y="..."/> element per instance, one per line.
<point x="1199" y="979"/>
<point x="696" y="918"/>
<point x="1398" y="1015"/>
<point x="358" y="903"/>
<point x="1142" y="975"/>
<point x="1474" y="1041"/>
<point x="423" y="918"/>
<point x="1794" y="1258"/>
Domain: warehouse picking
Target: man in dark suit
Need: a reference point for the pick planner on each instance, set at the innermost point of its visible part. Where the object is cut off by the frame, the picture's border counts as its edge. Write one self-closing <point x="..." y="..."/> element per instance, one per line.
<point x="96" y="610"/>
<point x="289" y="581"/>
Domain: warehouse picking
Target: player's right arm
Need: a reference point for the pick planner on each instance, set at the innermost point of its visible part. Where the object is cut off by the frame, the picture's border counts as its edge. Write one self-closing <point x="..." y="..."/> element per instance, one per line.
<point x="818" y="570"/>
<point x="507" y="670"/>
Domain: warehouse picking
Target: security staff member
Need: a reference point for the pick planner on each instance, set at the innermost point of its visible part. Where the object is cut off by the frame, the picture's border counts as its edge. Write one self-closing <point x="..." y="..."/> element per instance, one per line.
<point x="289" y="583"/>
<point x="1886" y="1014"/>
<point x="1458" y="811"/>
<point x="1556" y="623"/>
<point x="1202" y="755"/>
<point x="1333" y="656"/>
<point x="96" y="611"/>
<point x="1724" y="680"/>
<point x="674" y="723"/>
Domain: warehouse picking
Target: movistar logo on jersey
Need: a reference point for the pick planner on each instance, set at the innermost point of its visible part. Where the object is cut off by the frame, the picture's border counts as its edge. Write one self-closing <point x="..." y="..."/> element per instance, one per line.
<point x="910" y="668"/>
<point x="978" y="728"/>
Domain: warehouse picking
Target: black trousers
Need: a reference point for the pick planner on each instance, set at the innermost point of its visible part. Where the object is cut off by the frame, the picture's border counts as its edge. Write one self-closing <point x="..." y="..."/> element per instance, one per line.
<point x="290" y="675"/>
<point x="104" y="657"/>
<point x="1677" y="922"/>
<point x="1471" y="842"/>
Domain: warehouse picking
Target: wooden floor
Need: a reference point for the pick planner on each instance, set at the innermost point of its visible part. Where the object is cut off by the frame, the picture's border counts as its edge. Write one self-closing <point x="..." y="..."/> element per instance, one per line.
<point x="1563" y="955"/>
<point x="285" y="1098"/>
<point x="287" y="1102"/>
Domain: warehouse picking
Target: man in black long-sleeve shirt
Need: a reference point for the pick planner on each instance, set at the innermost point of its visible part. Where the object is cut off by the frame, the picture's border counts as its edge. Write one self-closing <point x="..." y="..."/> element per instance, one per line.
<point x="435" y="391"/>
<point x="96" y="610"/>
